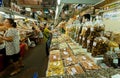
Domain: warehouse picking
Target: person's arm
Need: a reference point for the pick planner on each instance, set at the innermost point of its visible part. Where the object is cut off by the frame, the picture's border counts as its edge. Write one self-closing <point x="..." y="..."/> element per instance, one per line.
<point x="3" y="28"/>
<point x="47" y="30"/>
<point x="1" y="41"/>
<point x="9" y="39"/>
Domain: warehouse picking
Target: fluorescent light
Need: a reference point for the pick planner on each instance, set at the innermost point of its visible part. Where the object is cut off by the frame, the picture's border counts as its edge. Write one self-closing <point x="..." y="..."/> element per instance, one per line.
<point x="56" y="12"/>
<point x="58" y="1"/>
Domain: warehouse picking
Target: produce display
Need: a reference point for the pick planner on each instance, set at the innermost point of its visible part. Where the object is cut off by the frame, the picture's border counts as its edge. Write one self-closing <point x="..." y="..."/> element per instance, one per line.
<point x="73" y="60"/>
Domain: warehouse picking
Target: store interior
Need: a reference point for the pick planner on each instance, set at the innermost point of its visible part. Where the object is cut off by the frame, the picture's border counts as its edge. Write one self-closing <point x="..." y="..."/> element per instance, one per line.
<point x="85" y="41"/>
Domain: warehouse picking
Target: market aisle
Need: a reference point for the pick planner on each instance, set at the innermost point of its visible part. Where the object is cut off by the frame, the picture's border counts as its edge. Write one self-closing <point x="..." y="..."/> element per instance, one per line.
<point x="35" y="61"/>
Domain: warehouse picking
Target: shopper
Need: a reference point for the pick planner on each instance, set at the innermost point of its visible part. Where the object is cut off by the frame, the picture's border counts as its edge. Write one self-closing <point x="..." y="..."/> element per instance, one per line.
<point x="34" y="36"/>
<point x="12" y="47"/>
<point x="47" y="38"/>
<point x="40" y="35"/>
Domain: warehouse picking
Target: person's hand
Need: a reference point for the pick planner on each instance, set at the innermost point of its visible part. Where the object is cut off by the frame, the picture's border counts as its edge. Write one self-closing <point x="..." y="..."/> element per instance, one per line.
<point x="1" y="40"/>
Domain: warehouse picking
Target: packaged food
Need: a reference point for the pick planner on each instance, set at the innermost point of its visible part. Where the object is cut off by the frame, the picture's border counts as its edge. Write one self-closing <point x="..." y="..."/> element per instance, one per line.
<point x="116" y="37"/>
<point x="70" y="61"/>
<point x="66" y="53"/>
<point x="77" y="51"/>
<point x="55" y="52"/>
<point x="54" y="57"/>
<point x="100" y="46"/>
<point x="55" y="68"/>
<point x="74" y="69"/>
<point x="87" y="65"/>
<point x="84" y="57"/>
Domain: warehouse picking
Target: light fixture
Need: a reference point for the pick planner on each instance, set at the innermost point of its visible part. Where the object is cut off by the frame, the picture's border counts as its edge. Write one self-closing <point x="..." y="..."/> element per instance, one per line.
<point x="58" y="1"/>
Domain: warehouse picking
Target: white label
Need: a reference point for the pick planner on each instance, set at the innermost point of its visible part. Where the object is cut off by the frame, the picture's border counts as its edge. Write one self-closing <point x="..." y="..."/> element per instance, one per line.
<point x="88" y="41"/>
<point x="80" y="37"/>
<point x="54" y="57"/>
<point x="73" y="70"/>
<point x="115" y="61"/>
<point x="66" y="53"/>
<point x="83" y="38"/>
<point x="94" y="43"/>
<point x="69" y="59"/>
<point x="83" y="57"/>
<point x="92" y="29"/>
<point x="90" y="64"/>
<point x="64" y="48"/>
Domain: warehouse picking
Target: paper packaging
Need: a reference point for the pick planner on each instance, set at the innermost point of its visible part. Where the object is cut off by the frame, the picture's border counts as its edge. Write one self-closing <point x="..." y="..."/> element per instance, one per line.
<point x="74" y="69"/>
<point x="70" y="61"/>
<point x="83" y="57"/>
<point x="54" y="57"/>
<point x="55" y="68"/>
<point x="89" y="65"/>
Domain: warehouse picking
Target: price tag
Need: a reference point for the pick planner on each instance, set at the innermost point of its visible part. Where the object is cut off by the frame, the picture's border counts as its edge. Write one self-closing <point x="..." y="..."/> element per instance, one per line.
<point x="83" y="39"/>
<point x="66" y="53"/>
<point x="54" y="57"/>
<point x="69" y="59"/>
<point x="83" y="57"/>
<point x="88" y="41"/>
<point x="80" y="37"/>
<point x="73" y="70"/>
<point x="94" y="43"/>
<point x="90" y="64"/>
<point x="115" y="61"/>
<point x="92" y="29"/>
<point x="64" y="48"/>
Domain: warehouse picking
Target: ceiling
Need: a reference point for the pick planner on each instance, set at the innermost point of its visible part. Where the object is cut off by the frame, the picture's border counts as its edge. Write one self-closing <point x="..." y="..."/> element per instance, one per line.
<point x="88" y="2"/>
<point x="93" y="2"/>
<point x="104" y="3"/>
<point x="37" y="3"/>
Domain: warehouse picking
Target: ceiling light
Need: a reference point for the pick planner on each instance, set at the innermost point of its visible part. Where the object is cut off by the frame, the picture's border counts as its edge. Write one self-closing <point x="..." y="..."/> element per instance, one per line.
<point x="58" y="1"/>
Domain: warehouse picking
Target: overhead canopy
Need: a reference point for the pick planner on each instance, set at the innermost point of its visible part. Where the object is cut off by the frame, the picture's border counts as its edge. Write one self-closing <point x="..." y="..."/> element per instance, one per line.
<point x="61" y="2"/>
<point x="93" y="2"/>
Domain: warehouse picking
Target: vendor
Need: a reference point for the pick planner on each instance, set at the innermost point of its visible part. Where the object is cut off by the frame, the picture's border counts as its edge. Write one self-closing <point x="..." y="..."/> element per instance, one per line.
<point x="47" y="37"/>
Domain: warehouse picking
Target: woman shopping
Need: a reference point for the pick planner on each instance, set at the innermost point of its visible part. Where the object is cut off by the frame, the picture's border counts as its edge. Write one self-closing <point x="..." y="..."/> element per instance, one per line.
<point x="12" y="45"/>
